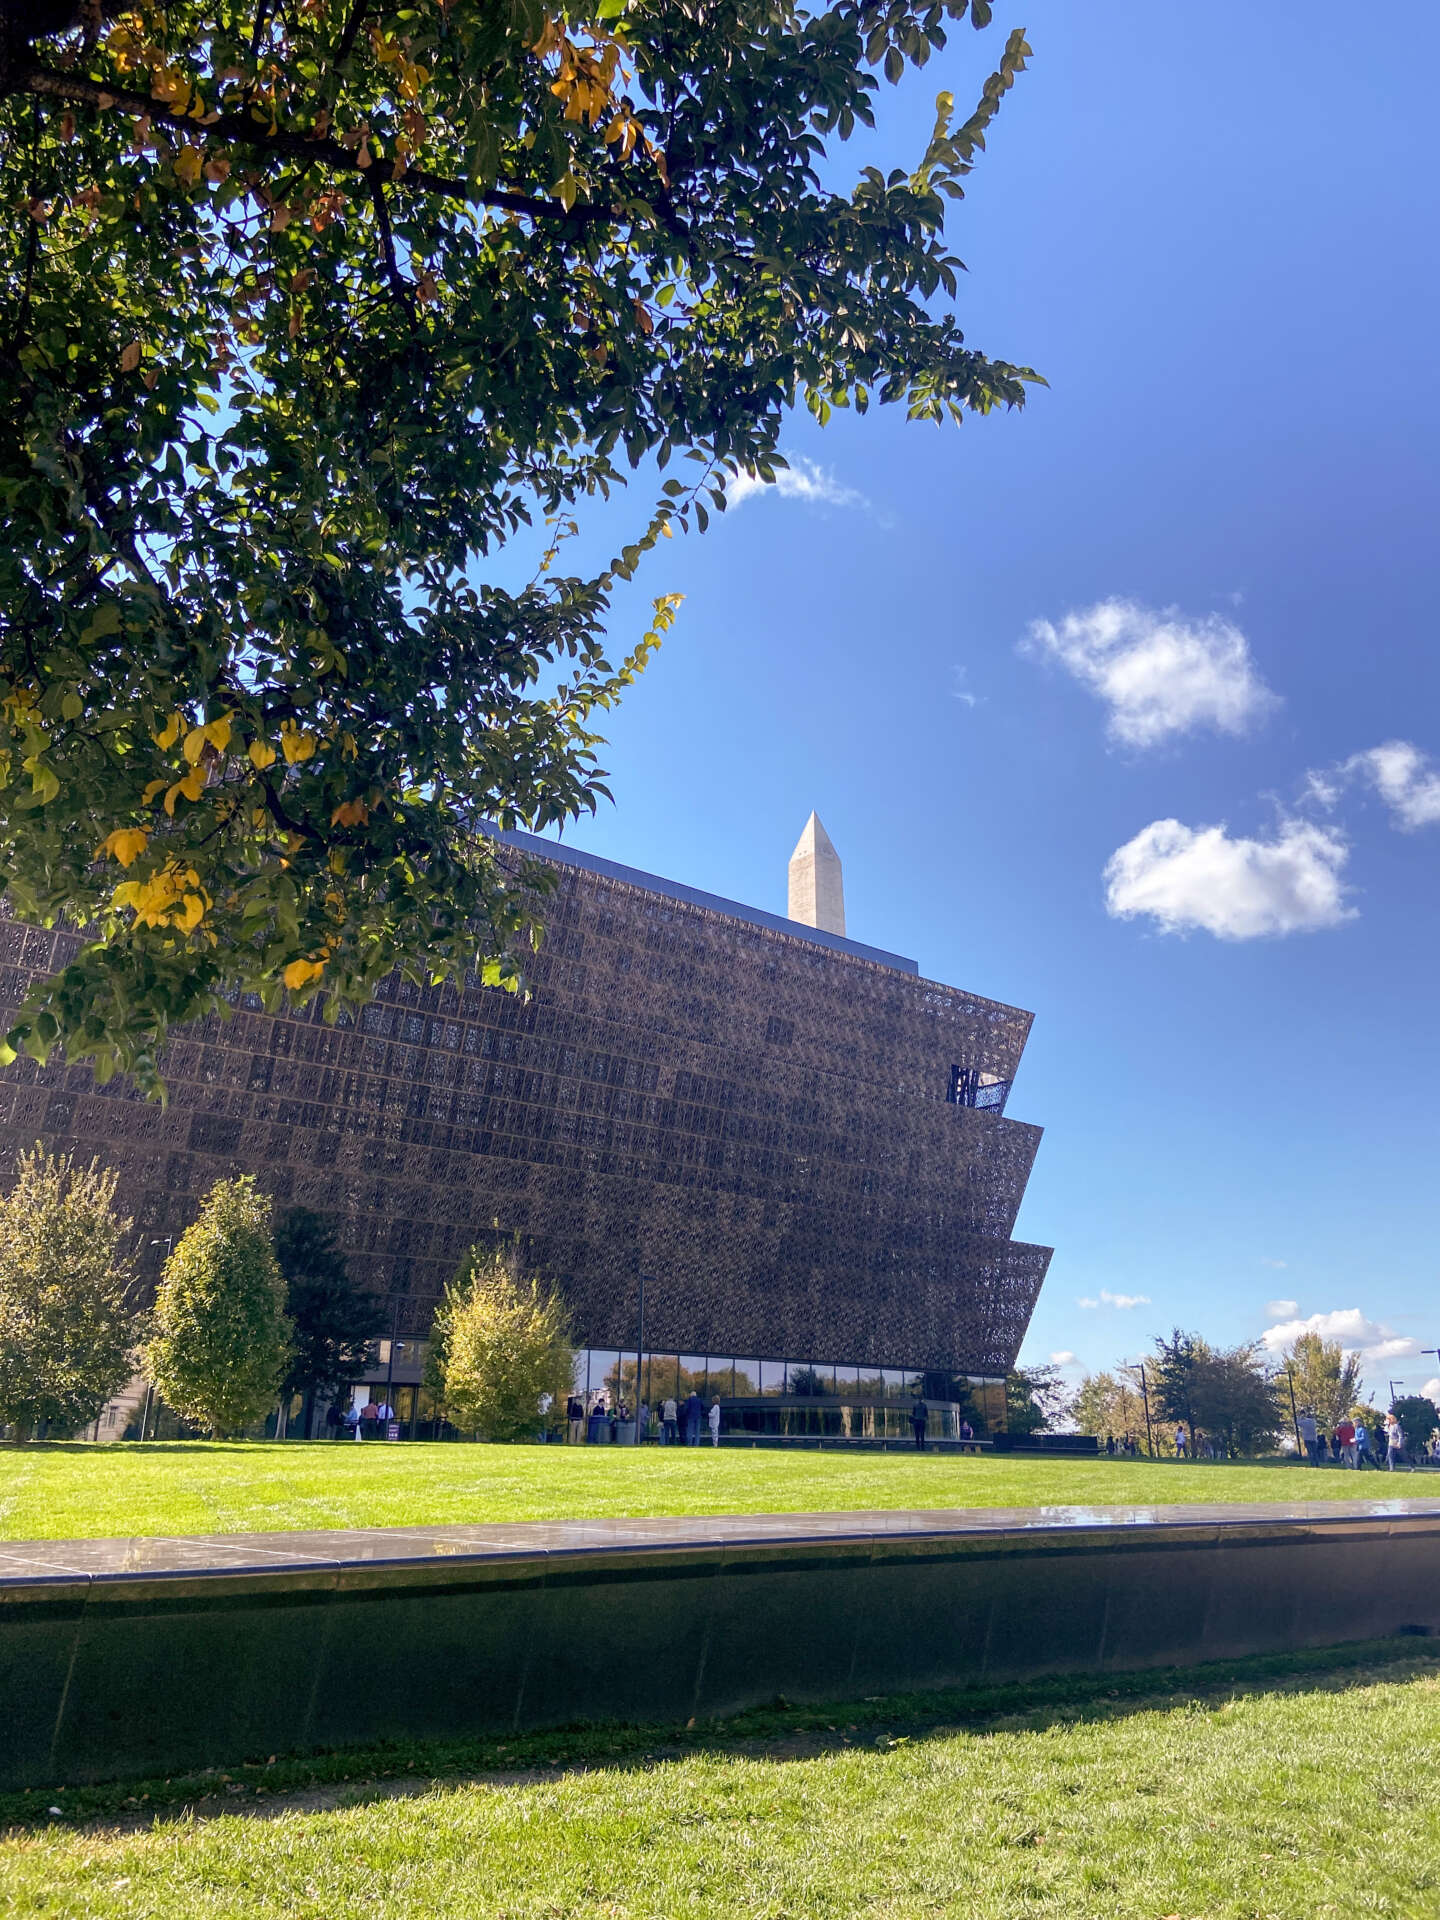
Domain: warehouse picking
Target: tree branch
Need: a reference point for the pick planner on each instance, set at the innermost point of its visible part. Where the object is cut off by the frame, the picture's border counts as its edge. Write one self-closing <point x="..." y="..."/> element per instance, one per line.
<point x="241" y="129"/>
<point x="398" y="282"/>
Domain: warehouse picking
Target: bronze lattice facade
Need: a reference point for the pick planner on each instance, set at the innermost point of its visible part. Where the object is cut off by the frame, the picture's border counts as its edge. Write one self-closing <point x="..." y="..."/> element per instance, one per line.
<point x="799" y="1141"/>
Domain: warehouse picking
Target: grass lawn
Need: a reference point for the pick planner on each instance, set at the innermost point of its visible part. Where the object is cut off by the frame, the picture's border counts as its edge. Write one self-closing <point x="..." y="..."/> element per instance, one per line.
<point x="1249" y="1799"/>
<point x="74" y="1491"/>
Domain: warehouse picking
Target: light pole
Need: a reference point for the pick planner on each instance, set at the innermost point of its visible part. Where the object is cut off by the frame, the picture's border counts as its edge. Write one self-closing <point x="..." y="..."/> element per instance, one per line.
<point x="1294" y="1414"/>
<point x="639" y="1359"/>
<point x="1138" y="1366"/>
<point x="395" y="1346"/>
<point x="168" y="1242"/>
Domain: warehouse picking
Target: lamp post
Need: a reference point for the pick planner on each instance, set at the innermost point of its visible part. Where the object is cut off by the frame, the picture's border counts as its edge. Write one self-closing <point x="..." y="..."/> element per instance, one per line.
<point x="639" y="1358"/>
<point x="1294" y="1413"/>
<point x="1138" y="1366"/>
<point x="168" y="1242"/>
<point x="396" y="1346"/>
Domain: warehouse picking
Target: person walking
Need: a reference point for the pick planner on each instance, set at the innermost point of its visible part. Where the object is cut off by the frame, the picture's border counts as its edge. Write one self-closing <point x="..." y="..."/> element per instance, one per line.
<point x="1182" y="1441"/>
<point x="1394" y="1442"/>
<point x="1364" y="1454"/>
<point x="714" y="1423"/>
<point x="1309" y="1436"/>
<point x="919" y="1420"/>
<point x="1345" y="1435"/>
<point x="669" y="1421"/>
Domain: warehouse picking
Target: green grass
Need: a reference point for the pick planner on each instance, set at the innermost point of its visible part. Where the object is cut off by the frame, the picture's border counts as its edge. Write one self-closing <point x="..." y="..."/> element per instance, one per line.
<point x="1231" y="1798"/>
<point x="69" y="1492"/>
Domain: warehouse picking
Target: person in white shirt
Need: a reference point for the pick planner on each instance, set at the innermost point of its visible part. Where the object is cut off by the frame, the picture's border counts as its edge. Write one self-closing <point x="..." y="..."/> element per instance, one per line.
<point x="714" y="1423"/>
<point x="670" y="1422"/>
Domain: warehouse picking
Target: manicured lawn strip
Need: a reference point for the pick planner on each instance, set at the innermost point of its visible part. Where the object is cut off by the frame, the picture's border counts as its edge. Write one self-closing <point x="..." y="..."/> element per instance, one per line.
<point x="74" y="1492"/>
<point x="1238" y="1794"/>
<point x="884" y="1719"/>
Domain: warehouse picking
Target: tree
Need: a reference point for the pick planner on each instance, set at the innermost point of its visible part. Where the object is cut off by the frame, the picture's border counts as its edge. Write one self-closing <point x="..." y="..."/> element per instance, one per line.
<point x="1105" y="1404"/>
<point x="1034" y="1399"/>
<point x="1324" y="1377"/>
<point x="1225" y="1392"/>
<point x="499" y="1345"/>
<point x="1418" y="1420"/>
<point x="66" y="1313"/>
<point x="309" y="311"/>
<point x="334" y="1322"/>
<point x="221" y="1340"/>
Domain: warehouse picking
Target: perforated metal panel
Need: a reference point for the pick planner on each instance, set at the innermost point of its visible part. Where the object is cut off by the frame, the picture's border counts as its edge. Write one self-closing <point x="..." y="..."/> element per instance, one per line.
<point x="761" y="1123"/>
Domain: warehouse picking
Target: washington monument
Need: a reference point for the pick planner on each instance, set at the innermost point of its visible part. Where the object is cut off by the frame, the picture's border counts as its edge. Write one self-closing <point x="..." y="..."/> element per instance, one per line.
<point x="817" y="891"/>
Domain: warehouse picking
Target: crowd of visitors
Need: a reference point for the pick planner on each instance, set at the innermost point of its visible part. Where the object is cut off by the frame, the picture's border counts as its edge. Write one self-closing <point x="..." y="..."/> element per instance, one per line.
<point x="601" y="1420"/>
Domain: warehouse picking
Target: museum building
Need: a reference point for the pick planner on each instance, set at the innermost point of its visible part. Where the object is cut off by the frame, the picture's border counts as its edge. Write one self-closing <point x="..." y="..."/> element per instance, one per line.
<point x="758" y="1157"/>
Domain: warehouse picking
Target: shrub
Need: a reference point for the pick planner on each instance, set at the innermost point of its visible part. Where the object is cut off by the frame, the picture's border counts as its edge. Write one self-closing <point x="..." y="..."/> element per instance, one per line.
<point x="500" y="1344"/>
<point x="221" y="1338"/>
<point x="66" y="1315"/>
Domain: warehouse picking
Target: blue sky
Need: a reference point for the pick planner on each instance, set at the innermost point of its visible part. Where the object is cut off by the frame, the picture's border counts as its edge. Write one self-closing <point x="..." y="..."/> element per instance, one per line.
<point x="1195" y="582"/>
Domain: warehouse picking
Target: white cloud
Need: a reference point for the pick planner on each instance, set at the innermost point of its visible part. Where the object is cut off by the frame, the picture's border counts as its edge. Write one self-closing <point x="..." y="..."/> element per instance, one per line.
<point x="1372" y="1340"/>
<point x="1086" y="1301"/>
<point x="1065" y="1358"/>
<point x="803" y="479"/>
<point x="1158" y="672"/>
<point x="1431" y="1389"/>
<point x="1238" y="889"/>
<point x="958" y="688"/>
<point x="1406" y="779"/>
<point x="1281" y="1309"/>
<point x="1265" y="1261"/>
<point x="1108" y="1299"/>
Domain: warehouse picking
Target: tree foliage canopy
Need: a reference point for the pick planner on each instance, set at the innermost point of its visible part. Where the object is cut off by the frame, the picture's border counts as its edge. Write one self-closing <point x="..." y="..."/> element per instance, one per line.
<point x="334" y="1323"/>
<point x="1105" y="1403"/>
<point x="1225" y="1392"/>
<point x="66" y="1315"/>
<point x="499" y="1345"/>
<point x="221" y="1340"/>
<point x="308" y="311"/>
<point x="1323" y="1377"/>
<point x="1035" y="1398"/>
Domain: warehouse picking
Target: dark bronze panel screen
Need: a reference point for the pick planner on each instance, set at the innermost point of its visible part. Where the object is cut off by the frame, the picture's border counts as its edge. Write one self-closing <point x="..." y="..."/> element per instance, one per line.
<point x="763" y="1125"/>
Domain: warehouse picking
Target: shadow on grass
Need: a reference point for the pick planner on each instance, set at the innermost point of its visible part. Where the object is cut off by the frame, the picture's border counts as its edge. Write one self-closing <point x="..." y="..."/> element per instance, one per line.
<point x="352" y="1776"/>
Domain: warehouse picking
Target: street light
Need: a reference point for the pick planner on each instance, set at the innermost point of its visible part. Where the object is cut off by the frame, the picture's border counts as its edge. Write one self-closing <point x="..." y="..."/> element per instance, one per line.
<point x="168" y="1242"/>
<point x="1138" y="1366"/>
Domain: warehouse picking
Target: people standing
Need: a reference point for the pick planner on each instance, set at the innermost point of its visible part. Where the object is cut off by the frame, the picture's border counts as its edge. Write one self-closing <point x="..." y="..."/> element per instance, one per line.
<point x="1309" y="1433"/>
<point x="575" y="1419"/>
<point x="669" y="1421"/>
<point x="334" y="1420"/>
<point x="642" y="1423"/>
<point x="694" y="1415"/>
<point x="384" y="1414"/>
<point x="369" y="1420"/>
<point x="1364" y="1456"/>
<point x="714" y="1423"/>
<point x="919" y="1421"/>
<point x="1182" y="1441"/>
<point x="1345" y="1436"/>
<point x="1394" y="1442"/>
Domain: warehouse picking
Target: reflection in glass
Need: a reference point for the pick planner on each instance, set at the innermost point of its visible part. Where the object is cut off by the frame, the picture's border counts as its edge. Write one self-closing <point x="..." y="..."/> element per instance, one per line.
<point x="719" y="1373"/>
<point x="807" y="1380"/>
<point x="772" y="1378"/>
<point x="660" y="1377"/>
<point x="872" y="1384"/>
<point x="747" y="1379"/>
<point x="846" y="1381"/>
<point x="914" y="1386"/>
<point x="894" y="1383"/>
<point x="692" y="1375"/>
<point x="603" y="1362"/>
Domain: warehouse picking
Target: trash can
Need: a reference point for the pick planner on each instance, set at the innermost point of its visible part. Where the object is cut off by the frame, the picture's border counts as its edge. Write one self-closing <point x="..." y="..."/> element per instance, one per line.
<point x="625" y="1433"/>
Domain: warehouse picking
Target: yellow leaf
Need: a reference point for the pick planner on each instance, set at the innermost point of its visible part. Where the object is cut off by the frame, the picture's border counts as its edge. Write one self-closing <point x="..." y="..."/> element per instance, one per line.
<point x="294" y="744"/>
<point x="155" y="786"/>
<point x="169" y="733"/>
<point x="300" y="972"/>
<point x="192" y="786"/>
<point x="187" y="166"/>
<point x="194" y="744"/>
<point x="125" y="844"/>
<point x="192" y="912"/>
<point x="130" y="358"/>
<point x="218" y="733"/>
<point x="350" y="813"/>
<point x="262" y="755"/>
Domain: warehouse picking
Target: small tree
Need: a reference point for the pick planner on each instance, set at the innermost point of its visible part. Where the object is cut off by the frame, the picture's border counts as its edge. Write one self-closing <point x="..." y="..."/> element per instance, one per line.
<point x="1105" y="1404"/>
<point x="335" y="1322"/>
<point x="1323" y="1376"/>
<point x="66" y="1316"/>
<point x="1418" y="1420"/>
<point x="1034" y="1399"/>
<point x="500" y="1343"/>
<point x="222" y="1340"/>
